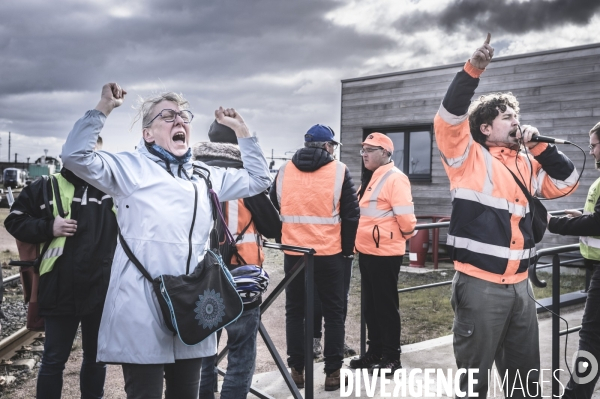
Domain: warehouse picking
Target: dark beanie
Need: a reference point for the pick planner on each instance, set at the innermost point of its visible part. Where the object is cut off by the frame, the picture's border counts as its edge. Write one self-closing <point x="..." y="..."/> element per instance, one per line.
<point x="221" y="134"/>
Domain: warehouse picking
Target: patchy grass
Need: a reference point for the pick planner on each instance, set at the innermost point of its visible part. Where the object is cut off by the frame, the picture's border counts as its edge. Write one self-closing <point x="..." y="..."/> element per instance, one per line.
<point x="426" y="313"/>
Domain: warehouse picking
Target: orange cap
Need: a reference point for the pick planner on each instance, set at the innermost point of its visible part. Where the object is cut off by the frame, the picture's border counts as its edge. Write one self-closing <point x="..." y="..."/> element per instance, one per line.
<point x="380" y="140"/>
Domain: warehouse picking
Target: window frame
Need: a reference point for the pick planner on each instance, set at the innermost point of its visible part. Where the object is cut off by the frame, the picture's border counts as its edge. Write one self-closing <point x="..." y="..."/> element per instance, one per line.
<point x="407" y="129"/>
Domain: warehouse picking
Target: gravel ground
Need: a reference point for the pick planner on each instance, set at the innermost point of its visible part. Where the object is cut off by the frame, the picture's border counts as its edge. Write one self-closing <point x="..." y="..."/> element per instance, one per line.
<point x="15" y="312"/>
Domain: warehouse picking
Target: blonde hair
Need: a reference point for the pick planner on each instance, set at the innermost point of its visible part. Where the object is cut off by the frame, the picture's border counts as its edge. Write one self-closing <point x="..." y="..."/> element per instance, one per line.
<point x="145" y="107"/>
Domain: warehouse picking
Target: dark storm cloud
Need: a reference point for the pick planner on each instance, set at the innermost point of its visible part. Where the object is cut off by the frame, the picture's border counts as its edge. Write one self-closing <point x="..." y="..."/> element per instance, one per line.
<point x="502" y="15"/>
<point x="68" y="46"/>
<point x="55" y="56"/>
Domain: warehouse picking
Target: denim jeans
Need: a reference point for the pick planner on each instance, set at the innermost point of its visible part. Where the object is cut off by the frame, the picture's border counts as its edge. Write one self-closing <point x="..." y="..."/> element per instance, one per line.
<point x="318" y="315"/>
<point x="241" y="359"/>
<point x="589" y="339"/>
<point x="329" y="281"/>
<point x="145" y="381"/>
<point x="60" y="334"/>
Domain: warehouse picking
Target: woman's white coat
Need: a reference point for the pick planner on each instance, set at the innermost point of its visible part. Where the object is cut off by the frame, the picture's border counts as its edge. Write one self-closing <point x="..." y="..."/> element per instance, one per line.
<point x="154" y="212"/>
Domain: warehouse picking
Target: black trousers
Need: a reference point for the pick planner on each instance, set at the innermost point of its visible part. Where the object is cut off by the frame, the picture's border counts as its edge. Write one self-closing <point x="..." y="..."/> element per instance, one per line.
<point x="379" y="276"/>
<point x="60" y="334"/>
<point x="145" y="381"/>
<point x="318" y="315"/>
<point x="589" y="340"/>
<point x="329" y="281"/>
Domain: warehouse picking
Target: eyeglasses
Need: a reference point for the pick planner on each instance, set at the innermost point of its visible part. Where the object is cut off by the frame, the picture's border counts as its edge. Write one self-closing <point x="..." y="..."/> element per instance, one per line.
<point x="364" y="151"/>
<point x="591" y="146"/>
<point x="333" y="145"/>
<point x="169" y="115"/>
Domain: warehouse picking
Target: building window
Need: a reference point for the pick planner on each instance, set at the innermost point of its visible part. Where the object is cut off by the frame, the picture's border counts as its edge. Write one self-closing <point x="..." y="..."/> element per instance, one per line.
<point x="412" y="149"/>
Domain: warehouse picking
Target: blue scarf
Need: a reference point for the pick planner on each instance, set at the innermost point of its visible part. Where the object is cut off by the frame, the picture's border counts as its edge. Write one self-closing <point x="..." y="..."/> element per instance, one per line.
<point x="166" y="156"/>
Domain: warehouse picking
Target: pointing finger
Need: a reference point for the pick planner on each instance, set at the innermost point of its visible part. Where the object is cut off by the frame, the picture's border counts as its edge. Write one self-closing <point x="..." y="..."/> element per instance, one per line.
<point x="487" y="40"/>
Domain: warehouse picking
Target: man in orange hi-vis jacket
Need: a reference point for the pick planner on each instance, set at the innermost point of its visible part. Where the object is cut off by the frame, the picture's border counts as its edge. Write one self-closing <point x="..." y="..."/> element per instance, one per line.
<point x="317" y="204"/>
<point x="387" y="220"/>
<point x="490" y="237"/>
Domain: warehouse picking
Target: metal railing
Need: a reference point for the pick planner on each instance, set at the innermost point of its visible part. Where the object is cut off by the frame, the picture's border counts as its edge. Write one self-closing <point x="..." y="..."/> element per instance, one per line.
<point x="306" y="263"/>
<point x="555" y="307"/>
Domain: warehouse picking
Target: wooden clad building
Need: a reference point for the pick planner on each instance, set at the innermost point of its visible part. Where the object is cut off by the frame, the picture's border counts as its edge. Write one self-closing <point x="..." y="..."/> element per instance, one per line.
<point x="558" y="92"/>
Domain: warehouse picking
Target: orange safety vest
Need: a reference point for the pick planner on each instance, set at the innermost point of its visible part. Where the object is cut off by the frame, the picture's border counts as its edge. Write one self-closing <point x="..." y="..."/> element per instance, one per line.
<point x="249" y="245"/>
<point x="309" y="205"/>
<point x="490" y="234"/>
<point x="387" y="214"/>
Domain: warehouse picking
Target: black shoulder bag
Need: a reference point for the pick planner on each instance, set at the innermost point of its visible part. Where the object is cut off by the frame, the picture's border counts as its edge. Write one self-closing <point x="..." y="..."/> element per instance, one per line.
<point x="537" y="209"/>
<point x="198" y="304"/>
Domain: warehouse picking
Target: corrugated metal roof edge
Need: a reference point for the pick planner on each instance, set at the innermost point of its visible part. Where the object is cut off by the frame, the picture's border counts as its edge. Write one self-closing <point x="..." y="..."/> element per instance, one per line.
<point x="458" y="64"/>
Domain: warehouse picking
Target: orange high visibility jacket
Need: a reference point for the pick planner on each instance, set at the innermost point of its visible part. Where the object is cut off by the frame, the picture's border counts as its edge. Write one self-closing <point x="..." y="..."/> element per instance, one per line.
<point x="310" y="207"/>
<point x="490" y="235"/>
<point x="249" y="246"/>
<point x="387" y="215"/>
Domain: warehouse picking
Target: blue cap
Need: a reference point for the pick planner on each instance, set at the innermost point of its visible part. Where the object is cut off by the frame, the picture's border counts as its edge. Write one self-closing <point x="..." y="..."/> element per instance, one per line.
<point x="320" y="133"/>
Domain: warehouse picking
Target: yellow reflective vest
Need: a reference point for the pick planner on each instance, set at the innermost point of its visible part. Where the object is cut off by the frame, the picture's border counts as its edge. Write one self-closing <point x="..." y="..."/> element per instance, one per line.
<point x="57" y="245"/>
<point x="590" y="246"/>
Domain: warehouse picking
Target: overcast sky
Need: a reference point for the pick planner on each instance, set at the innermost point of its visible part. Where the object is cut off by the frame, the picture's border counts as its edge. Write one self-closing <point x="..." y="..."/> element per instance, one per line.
<point x="278" y="62"/>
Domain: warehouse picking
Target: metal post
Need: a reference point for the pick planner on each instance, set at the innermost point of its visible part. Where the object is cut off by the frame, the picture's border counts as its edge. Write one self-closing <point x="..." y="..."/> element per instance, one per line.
<point x="555" y="325"/>
<point x="436" y="247"/>
<point x="279" y="362"/>
<point x="309" y="310"/>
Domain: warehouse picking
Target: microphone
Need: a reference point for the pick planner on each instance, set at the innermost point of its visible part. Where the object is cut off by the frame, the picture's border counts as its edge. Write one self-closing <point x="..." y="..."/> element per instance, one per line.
<point x="551" y="140"/>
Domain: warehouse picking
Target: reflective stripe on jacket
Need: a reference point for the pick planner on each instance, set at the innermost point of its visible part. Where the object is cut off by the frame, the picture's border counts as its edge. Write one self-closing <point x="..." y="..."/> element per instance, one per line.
<point x="310" y="207"/>
<point x="56" y="247"/>
<point x="249" y="245"/>
<point x="387" y="215"/>
<point x="490" y="235"/>
<point x="590" y="245"/>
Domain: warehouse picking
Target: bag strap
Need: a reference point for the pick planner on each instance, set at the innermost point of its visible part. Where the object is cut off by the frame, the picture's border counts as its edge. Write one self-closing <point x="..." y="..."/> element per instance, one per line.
<point x="187" y="268"/>
<point x="241" y="235"/>
<point x="217" y="211"/>
<point x="132" y="258"/>
<point x="130" y="253"/>
<point x="45" y="195"/>
<point x="38" y="260"/>
<point x="521" y="186"/>
<point x="236" y="253"/>
<point x="59" y="205"/>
